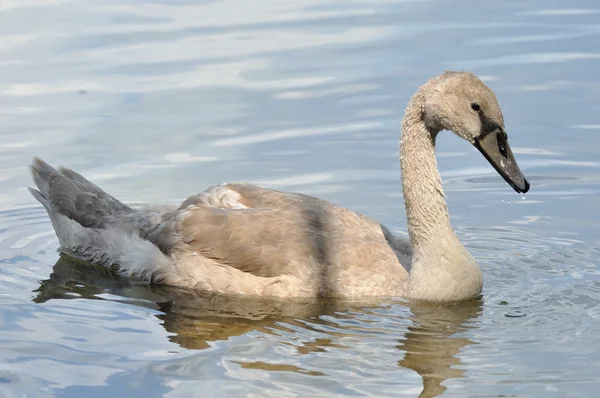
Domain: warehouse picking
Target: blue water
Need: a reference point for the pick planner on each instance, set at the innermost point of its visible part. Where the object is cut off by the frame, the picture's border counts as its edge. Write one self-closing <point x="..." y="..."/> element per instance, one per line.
<point x="155" y="101"/>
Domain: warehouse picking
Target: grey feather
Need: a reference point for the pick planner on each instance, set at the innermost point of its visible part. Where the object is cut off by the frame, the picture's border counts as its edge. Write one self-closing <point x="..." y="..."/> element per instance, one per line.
<point x="93" y="226"/>
<point x="70" y="194"/>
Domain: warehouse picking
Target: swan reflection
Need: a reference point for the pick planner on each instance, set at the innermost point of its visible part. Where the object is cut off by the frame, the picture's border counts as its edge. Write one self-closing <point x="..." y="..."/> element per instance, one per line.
<point x="431" y="341"/>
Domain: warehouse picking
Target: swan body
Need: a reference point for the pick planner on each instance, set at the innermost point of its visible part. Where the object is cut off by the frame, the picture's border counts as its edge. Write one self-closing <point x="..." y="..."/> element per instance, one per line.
<point x="244" y="239"/>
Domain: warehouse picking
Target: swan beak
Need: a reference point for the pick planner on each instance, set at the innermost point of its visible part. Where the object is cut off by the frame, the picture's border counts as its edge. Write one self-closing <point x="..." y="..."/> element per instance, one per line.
<point x="494" y="146"/>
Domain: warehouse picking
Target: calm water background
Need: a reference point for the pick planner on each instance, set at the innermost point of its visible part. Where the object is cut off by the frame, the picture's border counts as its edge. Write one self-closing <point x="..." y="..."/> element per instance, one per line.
<point x="158" y="100"/>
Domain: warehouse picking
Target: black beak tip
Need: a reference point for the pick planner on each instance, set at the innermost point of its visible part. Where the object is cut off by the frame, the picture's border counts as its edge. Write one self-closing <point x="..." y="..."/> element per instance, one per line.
<point x="525" y="188"/>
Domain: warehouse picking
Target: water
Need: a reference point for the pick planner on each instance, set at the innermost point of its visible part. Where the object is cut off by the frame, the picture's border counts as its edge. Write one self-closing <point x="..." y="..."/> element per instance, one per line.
<point x="157" y="100"/>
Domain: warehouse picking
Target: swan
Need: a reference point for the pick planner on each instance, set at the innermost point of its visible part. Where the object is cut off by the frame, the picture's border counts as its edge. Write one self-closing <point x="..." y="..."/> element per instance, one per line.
<point x="246" y="240"/>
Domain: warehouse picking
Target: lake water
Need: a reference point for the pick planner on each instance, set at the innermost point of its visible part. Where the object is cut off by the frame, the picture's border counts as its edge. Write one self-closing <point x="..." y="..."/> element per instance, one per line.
<point x="155" y="101"/>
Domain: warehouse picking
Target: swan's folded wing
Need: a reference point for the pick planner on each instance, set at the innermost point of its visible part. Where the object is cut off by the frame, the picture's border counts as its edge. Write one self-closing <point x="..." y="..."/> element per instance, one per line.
<point x="247" y="227"/>
<point x="268" y="233"/>
<point x="264" y="242"/>
<point x="261" y="242"/>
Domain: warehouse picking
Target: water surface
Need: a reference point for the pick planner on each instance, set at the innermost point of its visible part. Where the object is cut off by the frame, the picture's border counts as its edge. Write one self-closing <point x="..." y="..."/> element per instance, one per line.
<point x="155" y="101"/>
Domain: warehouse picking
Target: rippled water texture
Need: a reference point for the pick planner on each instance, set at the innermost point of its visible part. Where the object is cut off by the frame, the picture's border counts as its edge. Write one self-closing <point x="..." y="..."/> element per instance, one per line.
<point x="157" y="100"/>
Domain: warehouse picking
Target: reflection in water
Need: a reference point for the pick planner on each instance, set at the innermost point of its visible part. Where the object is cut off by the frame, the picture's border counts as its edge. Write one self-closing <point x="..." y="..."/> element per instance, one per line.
<point x="303" y="96"/>
<point x="432" y="345"/>
<point x="196" y="319"/>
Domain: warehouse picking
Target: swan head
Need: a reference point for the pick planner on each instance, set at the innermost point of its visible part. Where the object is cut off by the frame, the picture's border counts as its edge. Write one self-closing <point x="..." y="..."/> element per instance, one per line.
<point x="462" y="103"/>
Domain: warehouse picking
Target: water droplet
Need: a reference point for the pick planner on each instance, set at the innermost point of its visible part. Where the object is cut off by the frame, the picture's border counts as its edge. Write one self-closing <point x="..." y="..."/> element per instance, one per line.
<point x="523" y="196"/>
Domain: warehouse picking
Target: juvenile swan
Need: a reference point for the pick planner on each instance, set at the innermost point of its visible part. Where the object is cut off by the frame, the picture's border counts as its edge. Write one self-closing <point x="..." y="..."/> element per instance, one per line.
<point x="243" y="239"/>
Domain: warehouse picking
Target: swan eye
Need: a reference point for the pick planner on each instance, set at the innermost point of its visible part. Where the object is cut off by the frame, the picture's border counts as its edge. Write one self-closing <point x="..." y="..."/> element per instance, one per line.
<point x="475" y="106"/>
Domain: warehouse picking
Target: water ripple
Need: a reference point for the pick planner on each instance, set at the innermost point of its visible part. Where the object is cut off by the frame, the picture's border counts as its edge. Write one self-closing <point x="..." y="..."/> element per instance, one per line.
<point x="157" y="100"/>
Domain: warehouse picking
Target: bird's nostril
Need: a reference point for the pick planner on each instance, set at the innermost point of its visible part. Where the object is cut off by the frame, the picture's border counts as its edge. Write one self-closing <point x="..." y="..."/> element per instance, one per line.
<point x="502" y="144"/>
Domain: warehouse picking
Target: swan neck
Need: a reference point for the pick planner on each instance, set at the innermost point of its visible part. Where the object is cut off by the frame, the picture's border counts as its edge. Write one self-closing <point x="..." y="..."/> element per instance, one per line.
<point x="426" y="209"/>
<point x="441" y="268"/>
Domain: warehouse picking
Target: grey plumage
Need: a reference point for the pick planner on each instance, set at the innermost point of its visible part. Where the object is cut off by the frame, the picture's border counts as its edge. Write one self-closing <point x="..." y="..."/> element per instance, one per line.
<point x="244" y="239"/>
<point x="89" y="223"/>
<point x="68" y="193"/>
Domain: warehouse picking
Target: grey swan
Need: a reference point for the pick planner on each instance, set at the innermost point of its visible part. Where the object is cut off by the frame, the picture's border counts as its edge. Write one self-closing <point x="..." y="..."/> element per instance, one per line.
<point x="247" y="240"/>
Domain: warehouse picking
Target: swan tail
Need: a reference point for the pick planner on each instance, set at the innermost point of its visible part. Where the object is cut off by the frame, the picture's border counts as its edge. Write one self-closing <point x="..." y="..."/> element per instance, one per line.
<point x="93" y="226"/>
<point x="70" y="194"/>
